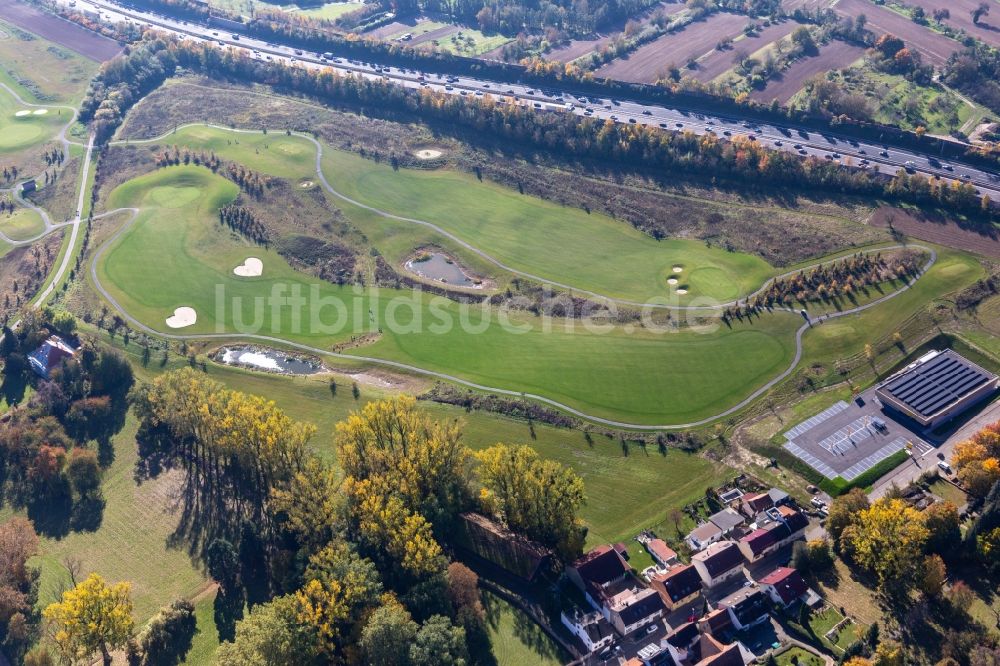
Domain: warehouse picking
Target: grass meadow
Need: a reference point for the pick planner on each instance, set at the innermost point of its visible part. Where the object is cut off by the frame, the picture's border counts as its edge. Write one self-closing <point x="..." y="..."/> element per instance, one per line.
<point x="22" y="224"/>
<point x="636" y="374"/>
<point x="42" y="71"/>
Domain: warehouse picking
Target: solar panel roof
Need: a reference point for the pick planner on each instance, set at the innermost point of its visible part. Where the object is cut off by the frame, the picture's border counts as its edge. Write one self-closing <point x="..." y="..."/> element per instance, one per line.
<point x="937" y="383"/>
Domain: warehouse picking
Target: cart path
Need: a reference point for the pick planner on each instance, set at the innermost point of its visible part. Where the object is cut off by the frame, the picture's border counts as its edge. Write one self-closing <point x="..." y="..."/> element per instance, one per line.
<point x="134" y="214"/>
<point x="498" y="263"/>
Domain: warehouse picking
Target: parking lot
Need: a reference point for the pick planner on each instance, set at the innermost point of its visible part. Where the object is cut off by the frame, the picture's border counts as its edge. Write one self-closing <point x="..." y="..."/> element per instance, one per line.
<point x="848" y="439"/>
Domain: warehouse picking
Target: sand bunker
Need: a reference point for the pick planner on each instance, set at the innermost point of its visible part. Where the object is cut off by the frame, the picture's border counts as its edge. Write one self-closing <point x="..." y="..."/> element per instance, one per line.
<point x="40" y="112"/>
<point x="183" y="316"/>
<point x="252" y="267"/>
<point x="306" y="184"/>
<point x="427" y="154"/>
<point x="21" y="114"/>
<point x="671" y="280"/>
<point x="678" y="269"/>
<point x="682" y="291"/>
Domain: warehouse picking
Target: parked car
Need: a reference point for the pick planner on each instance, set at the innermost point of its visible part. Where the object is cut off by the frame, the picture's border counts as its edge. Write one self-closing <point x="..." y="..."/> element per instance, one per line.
<point x="879" y="425"/>
<point x="945" y="467"/>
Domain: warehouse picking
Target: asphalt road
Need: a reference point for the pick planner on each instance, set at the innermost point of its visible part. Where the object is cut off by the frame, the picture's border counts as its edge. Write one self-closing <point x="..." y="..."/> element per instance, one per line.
<point x="884" y="158"/>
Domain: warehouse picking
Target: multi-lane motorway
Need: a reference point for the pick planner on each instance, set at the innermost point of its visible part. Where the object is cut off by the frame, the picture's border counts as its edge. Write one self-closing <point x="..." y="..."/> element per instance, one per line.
<point x="884" y="158"/>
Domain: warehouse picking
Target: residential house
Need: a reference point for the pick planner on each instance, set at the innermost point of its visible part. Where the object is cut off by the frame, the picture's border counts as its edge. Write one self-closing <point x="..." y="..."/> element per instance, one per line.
<point x="784" y="586"/>
<point x="677" y="587"/>
<point x="593" y="629"/>
<point x="609" y="586"/>
<point x="702" y="536"/>
<point x="719" y="526"/>
<point x="715" y="622"/>
<point x="783" y="526"/>
<point x="747" y="607"/>
<point x="752" y="505"/>
<point x="663" y="554"/>
<point x="715" y="653"/>
<point x="633" y="609"/>
<point x="718" y="563"/>
<point x="779" y="497"/>
<point x="49" y="356"/>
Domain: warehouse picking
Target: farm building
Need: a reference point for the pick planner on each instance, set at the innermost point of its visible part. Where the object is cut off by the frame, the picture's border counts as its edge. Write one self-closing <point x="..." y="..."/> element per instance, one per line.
<point x="28" y="186"/>
<point x="936" y="388"/>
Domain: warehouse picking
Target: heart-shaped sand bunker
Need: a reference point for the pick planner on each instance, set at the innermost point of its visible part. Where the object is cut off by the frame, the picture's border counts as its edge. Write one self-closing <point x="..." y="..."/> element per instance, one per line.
<point x="183" y="316"/>
<point x="252" y="267"/>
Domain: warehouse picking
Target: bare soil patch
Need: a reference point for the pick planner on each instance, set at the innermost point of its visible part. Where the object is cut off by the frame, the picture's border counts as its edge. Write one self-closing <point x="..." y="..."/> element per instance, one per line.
<point x="988" y="28"/>
<point x="428" y="153"/>
<point x="389" y="380"/>
<point x="834" y="55"/>
<point x="694" y="41"/>
<point x="86" y="43"/>
<point x="718" y="62"/>
<point x="577" y="48"/>
<point x="439" y="33"/>
<point x="934" y="47"/>
<point x="390" y="29"/>
<point x="979" y="239"/>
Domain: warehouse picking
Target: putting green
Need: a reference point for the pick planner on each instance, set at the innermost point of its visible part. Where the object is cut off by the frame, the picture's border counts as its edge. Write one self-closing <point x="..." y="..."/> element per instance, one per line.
<point x="565" y="245"/>
<point x="23" y="224"/>
<point x="632" y="375"/>
<point x="18" y="133"/>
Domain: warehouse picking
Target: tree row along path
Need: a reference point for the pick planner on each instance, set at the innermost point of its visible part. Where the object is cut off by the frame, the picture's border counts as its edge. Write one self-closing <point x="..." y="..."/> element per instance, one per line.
<point x="50" y="226"/>
<point x="405" y="367"/>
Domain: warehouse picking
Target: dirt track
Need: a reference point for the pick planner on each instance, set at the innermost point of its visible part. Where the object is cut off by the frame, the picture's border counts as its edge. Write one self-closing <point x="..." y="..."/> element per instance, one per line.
<point x="939" y="230"/>
<point x="676" y="48"/>
<point x="719" y="61"/>
<point x="73" y="37"/>
<point x="934" y="47"/>
<point x="831" y="56"/>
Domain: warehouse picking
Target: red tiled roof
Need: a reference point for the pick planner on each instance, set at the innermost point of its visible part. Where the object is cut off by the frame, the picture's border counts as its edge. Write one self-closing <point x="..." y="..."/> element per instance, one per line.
<point x="787" y="583"/>
<point x="659" y="549"/>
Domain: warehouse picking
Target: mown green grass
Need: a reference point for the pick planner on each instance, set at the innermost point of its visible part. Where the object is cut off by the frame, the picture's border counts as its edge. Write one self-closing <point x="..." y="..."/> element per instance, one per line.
<point x="22" y="224"/>
<point x="515" y="639"/>
<point x="21" y="133"/>
<point x="562" y="244"/>
<point x="634" y="374"/>
<point x="558" y="243"/>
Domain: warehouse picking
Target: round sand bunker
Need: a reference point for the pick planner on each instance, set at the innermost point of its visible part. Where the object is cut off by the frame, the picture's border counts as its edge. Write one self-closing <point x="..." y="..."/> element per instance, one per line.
<point x="252" y="267"/>
<point x="682" y="291"/>
<point x="306" y="184"/>
<point x="671" y="281"/>
<point x="428" y="154"/>
<point x="678" y="269"/>
<point x="23" y="113"/>
<point x="183" y="316"/>
<point x="40" y="112"/>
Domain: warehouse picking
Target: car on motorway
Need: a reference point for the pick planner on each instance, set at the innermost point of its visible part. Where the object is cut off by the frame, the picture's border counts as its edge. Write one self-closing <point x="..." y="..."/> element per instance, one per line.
<point x="948" y="167"/>
<point x="449" y="87"/>
<point x="797" y="146"/>
<point x="678" y="124"/>
<point x="647" y="112"/>
<point x="614" y="117"/>
<point x="778" y="143"/>
<point x="884" y="153"/>
<point x="663" y="125"/>
<point x="910" y="166"/>
<point x="727" y="133"/>
<point x="631" y="120"/>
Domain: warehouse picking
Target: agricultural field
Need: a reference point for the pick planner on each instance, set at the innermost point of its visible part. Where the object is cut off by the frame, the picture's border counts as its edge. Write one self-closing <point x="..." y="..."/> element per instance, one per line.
<point x="832" y="56"/>
<point x="577" y="48"/>
<point x="719" y="62"/>
<point x="960" y="17"/>
<point x="934" y="47"/>
<point x="647" y="63"/>
<point x="66" y="35"/>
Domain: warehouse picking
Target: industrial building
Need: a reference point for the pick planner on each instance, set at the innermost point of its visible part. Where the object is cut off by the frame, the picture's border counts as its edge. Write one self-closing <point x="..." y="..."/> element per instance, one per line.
<point x="936" y="388"/>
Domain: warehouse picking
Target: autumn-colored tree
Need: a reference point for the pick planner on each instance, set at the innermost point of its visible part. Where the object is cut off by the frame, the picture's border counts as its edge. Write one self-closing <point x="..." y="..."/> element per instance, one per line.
<point x="941" y="519"/>
<point x="887" y="539"/>
<point x="843" y="509"/>
<point x="538" y="498"/>
<point x="271" y="635"/>
<point x="889" y="653"/>
<point x="977" y="460"/>
<point x="422" y="459"/>
<point x="310" y="506"/>
<point x="388" y="634"/>
<point x="933" y="576"/>
<point x="18" y="589"/>
<point x="92" y="617"/>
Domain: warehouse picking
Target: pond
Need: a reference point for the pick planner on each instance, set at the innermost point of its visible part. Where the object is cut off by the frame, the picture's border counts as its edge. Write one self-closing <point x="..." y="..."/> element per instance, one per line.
<point x="272" y="360"/>
<point x="442" y="268"/>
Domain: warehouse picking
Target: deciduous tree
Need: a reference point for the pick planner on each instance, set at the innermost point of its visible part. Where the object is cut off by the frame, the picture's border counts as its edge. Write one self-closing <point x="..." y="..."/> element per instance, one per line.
<point x="92" y="617"/>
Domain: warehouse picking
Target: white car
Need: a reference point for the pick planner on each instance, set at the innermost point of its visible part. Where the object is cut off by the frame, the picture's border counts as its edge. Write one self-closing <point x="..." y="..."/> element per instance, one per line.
<point x="945" y="467"/>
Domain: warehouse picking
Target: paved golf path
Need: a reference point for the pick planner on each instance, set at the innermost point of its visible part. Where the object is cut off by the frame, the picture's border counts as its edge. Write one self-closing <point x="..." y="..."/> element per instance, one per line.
<point x="458" y="380"/>
<point x="16" y="191"/>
